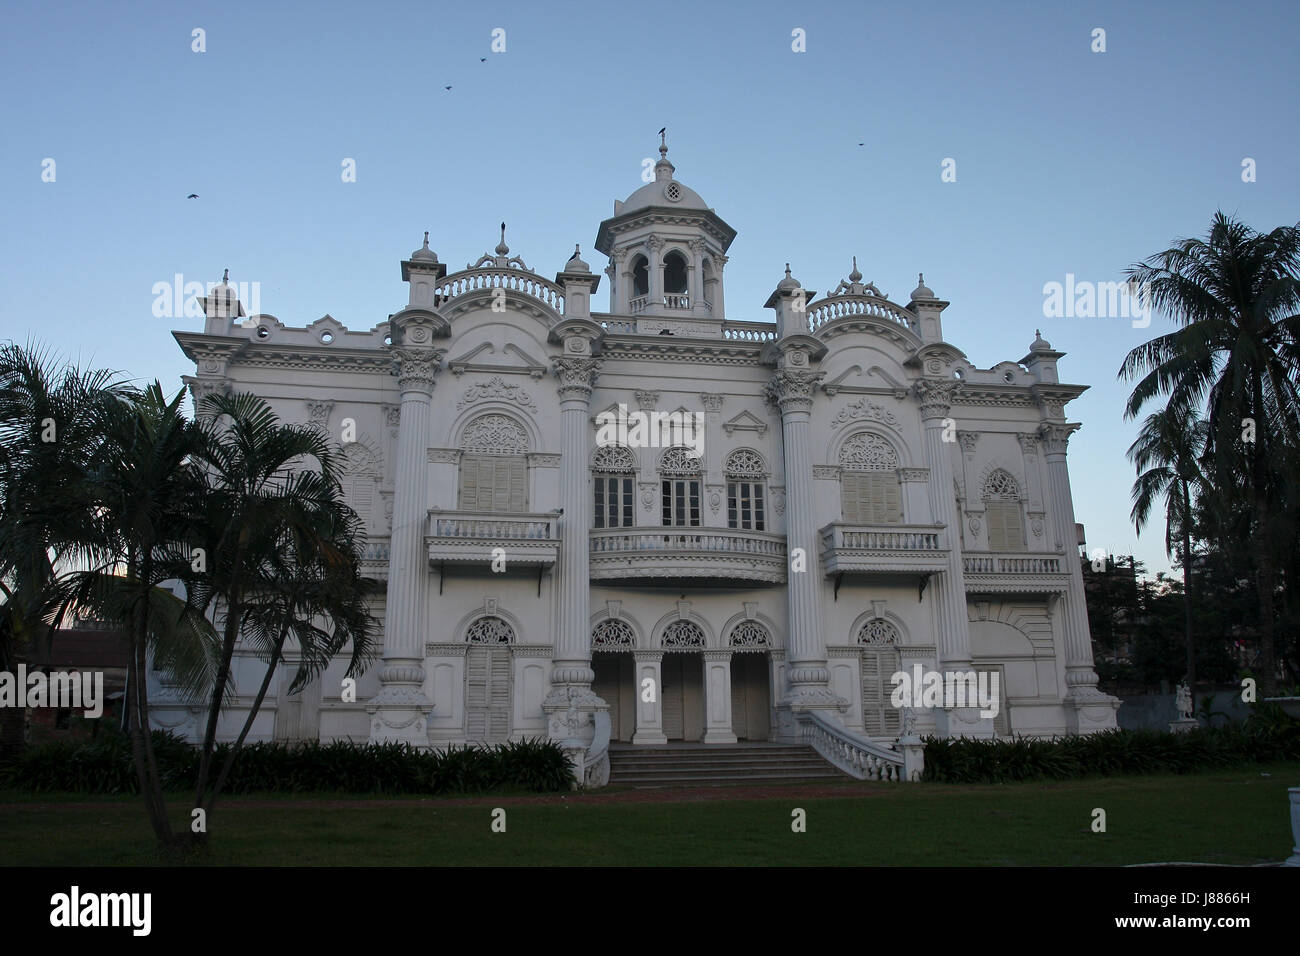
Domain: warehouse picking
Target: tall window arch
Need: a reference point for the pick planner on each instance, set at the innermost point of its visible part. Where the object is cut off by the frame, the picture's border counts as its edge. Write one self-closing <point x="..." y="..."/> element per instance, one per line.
<point x="1002" y="512"/>
<point x="746" y="507"/>
<point x="679" y="473"/>
<point x="870" y="492"/>
<point x="493" y="466"/>
<point x="878" y="641"/>
<point x="613" y="479"/>
<point x="674" y="273"/>
<point x="640" y="276"/>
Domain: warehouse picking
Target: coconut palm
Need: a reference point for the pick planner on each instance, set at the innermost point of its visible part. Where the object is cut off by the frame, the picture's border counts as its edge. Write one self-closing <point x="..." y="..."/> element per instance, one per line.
<point x="1234" y="295"/>
<point x="1167" y="455"/>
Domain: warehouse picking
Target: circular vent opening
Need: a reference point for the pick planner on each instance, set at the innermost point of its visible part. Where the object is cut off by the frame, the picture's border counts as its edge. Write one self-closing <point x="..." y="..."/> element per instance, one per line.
<point x="263" y="332"/>
<point x="673" y="192"/>
<point x="327" y="337"/>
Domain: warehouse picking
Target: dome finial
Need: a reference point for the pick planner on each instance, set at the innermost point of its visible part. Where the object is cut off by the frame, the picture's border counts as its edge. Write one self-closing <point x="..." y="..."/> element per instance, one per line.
<point x="502" y="248"/>
<point x="922" y="291"/>
<point x="663" y="143"/>
<point x="225" y="276"/>
<point x="426" y="238"/>
<point x="855" y="275"/>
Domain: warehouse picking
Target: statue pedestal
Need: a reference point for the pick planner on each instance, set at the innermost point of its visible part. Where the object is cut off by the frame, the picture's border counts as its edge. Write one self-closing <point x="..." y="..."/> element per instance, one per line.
<point x="1183" y="724"/>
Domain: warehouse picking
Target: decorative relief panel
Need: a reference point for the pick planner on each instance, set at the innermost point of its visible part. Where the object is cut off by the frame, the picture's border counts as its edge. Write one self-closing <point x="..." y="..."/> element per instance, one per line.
<point x="750" y="636"/>
<point x="683" y="636"/>
<point x="489" y="630"/>
<point x="879" y="633"/>
<point x="867" y="452"/>
<point x="865" y="410"/>
<point x="497" y="388"/>
<point x="495" y="435"/>
<point x="612" y="635"/>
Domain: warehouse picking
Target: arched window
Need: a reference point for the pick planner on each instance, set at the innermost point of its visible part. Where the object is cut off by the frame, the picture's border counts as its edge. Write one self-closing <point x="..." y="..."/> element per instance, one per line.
<point x="360" y="473"/>
<point x="745" y="505"/>
<point x="869" y="489"/>
<point x="613" y="476"/>
<point x="879" y="640"/>
<point x="640" y="276"/>
<point x="1002" y="512"/>
<point x="679" y="471"/>
<point x="682" y="636"/>
<point x="674" y="273"/>
<point x="493" y="466"/>
<point x="612" y="635"/>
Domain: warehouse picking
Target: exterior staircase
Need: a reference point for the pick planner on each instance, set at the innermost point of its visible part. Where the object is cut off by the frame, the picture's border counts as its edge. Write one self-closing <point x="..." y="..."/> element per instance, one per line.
<point x="717" y="765"/>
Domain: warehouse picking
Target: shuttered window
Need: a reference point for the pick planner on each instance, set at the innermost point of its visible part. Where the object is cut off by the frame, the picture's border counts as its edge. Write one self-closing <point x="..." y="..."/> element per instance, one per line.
<point x="359" y="492"/>
<point x="871" y="498"/>
<point x="493" y="483"/>
<point x="1003" y="519"/>
<point x="880" y="718"/>
<point x="487" y="693"/>
<point x="1002" y="722"/>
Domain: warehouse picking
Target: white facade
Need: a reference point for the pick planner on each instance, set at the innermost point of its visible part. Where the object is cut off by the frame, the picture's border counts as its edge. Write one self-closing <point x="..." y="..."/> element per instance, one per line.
<point x="865" y="500"/>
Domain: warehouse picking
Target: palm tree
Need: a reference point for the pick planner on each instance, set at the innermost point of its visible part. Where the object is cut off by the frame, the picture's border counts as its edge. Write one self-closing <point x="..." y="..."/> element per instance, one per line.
<point x="260" y="487"/>
<point x="147" y="497"/>
<point x="51" y="418"/>
<point x="313" y="577"/>
<point x="1167" y="455"/>
<point x="1237" y="352"/>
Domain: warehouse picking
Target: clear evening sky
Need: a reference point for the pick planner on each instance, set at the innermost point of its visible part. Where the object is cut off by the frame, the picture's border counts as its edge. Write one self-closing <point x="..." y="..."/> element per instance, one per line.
<point x="1066" y="160"/>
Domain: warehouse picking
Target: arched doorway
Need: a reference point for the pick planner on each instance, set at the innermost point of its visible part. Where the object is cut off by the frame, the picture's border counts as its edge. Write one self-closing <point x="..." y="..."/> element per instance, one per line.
<point x="682" y="677"/>
<point x="751" y="684"/>
<point x="488" y="672"/>
<point x="612" y="644"/>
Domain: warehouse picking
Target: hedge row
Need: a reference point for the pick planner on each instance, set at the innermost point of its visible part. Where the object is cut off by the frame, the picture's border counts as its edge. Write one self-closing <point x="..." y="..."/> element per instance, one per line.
<point x="1110" y="753"/>
<point x="106" y="766"/>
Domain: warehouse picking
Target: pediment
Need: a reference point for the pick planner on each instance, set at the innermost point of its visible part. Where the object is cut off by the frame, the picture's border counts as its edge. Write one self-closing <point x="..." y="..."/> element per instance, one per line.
<point x="509" y="360"/>
<point x="745" y="421"/>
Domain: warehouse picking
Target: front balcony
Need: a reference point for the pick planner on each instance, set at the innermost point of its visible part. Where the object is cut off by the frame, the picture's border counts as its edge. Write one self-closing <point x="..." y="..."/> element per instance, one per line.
<point x="697" y="556"/>
<point x="374" y="558"/>
<point x="884" y="550"/>
<point x="471" y="537"/>
<point x="1021" y="573"/>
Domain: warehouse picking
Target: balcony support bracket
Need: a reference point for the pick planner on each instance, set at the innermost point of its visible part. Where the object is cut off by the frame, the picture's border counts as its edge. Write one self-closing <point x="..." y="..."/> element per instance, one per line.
<point x="920" y="590"/>
<point x="838" y="578"/>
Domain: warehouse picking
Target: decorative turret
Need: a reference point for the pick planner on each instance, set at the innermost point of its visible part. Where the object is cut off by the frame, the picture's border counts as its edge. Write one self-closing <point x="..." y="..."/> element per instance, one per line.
<point x="1041" y="360"/>
<point x="422" y="271"/>
<point x="221" y="307"/>
<point x="790" y="301"/>
<point x="667" y="249"/>
<point x="927" y="309"/>
<point x="578" y="283"/>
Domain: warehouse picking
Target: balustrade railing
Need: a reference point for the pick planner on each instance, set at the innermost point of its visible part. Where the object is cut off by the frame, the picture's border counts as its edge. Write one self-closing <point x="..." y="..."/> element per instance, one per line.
<point x="512" y="279"/>
<point x="713" y="540"/>
<point x="1018" y="564"/>
<point x="883" y="537"/>
<point x="748" y="332"/>
<point x="837" y="307"/>
<point x="856" y="756"/>
<point x="471" y="524"/>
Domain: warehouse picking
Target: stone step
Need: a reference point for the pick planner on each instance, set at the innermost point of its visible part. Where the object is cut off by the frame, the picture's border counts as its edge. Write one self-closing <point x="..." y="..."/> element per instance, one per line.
<point x="717" y="765"/>
<point x="706" y="781"/>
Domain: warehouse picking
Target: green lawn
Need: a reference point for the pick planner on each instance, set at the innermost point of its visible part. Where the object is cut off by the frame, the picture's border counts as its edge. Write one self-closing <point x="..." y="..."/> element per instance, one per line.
<point x="1238" y="816"/>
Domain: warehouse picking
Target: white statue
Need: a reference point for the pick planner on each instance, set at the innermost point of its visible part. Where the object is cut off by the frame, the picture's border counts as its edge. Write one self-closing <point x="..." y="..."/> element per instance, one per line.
<point x="1183" y="701"/>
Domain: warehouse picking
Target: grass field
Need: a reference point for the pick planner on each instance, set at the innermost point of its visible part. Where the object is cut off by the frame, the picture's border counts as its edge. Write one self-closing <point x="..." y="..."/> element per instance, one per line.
<point x="1238" y="816"/>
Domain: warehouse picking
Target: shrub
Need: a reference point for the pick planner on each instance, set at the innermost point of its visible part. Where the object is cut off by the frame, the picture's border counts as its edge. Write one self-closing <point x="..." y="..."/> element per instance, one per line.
<point x="105" y="765"/>
<point x="1110" y="753"/>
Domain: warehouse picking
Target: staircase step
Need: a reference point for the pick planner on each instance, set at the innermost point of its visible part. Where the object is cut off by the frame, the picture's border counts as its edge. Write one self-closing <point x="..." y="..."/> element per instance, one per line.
<point x="718" y="765"/>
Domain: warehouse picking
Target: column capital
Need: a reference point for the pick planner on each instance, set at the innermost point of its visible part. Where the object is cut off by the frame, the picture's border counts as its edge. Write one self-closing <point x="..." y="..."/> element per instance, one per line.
<point x="576" y="376"/>
<point x="791" y="389"/>
<point x="1055" y="436"/>
<point x="935" y="396"/>
<point x="416" y="367"/>
<point x="201" y="387"/>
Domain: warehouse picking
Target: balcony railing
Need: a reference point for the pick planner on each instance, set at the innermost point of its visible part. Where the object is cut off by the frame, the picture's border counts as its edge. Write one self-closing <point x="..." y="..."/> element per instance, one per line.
<point x="677" y="301"/>
<point x="1015" y="573"/>
<point x="374" y="558"/>
<point x="470" y="536"/>
<point x="885" y="549"/>
<point x="715" y="553"/>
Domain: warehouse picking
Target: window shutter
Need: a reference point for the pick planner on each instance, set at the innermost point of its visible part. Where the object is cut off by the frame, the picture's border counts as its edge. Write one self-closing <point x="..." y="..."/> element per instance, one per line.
<point x="892" y="499"/>
<point x="499" y="699"/>
<point x="1003" y="519"/>
<point x="469" y="483"/>
<point x="1002" y="722"/>
<point x="851" y="497"/>
<point x="517" y="472"/>
<point x="879" y="717"/>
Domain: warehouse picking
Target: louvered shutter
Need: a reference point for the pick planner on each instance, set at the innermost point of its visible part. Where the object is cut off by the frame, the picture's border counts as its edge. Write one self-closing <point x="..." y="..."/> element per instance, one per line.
<point x="476" y="679"/>
<point x="469" y="478"/>
<point x="362" y="499"/>
<point x="879" y="717"/>
<point x="516" y="478"/>
<point x="1003" y="518"/>
<point x="499" y="695"/>
<point x="1002" y="722"/>
<point x="851" y="489"/>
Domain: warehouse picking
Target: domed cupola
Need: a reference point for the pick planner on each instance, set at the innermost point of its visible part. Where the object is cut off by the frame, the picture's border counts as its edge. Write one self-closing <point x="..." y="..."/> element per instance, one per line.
<point x="667" y="249"/>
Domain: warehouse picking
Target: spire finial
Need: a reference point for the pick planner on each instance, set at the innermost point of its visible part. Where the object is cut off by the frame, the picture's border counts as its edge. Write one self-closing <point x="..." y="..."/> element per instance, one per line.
<point x="855" y="275"/>
<point x="426" y="238"/>
<point x="1038" y="333"/>
<point x="787" y="269"/>
<point x="663" y="143"/>
<point x="502" y="248"/>
<point x="225" y="276"/>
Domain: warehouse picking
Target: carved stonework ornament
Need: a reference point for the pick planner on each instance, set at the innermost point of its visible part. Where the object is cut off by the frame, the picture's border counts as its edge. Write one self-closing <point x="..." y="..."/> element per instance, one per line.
<point x="497" y="388"/>
<point x="647" y="401"/>
<point x="914" y="474"/>
<point x="749" y="636"/>
<point x="865" y="410"/>
<point x="878" y="633"/>
<point x="778" y="500"/>
<point x="868" y="452"/>
<point x="968" y="441"/>
<point x="576" y="375"/>
<point x="936" y="396"/>
<point x="712" y="402"/>
<point x="647" y="494"/>
<point x="612" y="635"/>
<point x="974" y="522"/>
<point x="318" y="413"/>
<point x="715" y="497"/>
<point x="1056" y="437"/>
<point x="392" y="415"/>
<point x="792" y="388"/>
<point x="416" y="368"/>
<point x="1028" y="444"/>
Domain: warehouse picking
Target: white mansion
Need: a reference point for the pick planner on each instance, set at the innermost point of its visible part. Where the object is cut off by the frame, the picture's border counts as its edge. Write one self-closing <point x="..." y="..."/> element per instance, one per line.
<point x="863" y="500"/>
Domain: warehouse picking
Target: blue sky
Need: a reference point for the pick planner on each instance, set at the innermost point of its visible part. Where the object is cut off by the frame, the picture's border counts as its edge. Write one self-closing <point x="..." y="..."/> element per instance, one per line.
<point x="1067" y="161"/>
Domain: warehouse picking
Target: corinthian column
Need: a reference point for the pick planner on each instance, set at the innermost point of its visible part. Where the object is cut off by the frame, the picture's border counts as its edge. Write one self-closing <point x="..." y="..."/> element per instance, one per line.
<point x="948" y="588"/>
<point x="399" y="712"/>
<point x="571" y="676"/>
<point x="1087" y="709"/>
<point x="791" y="390"/>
